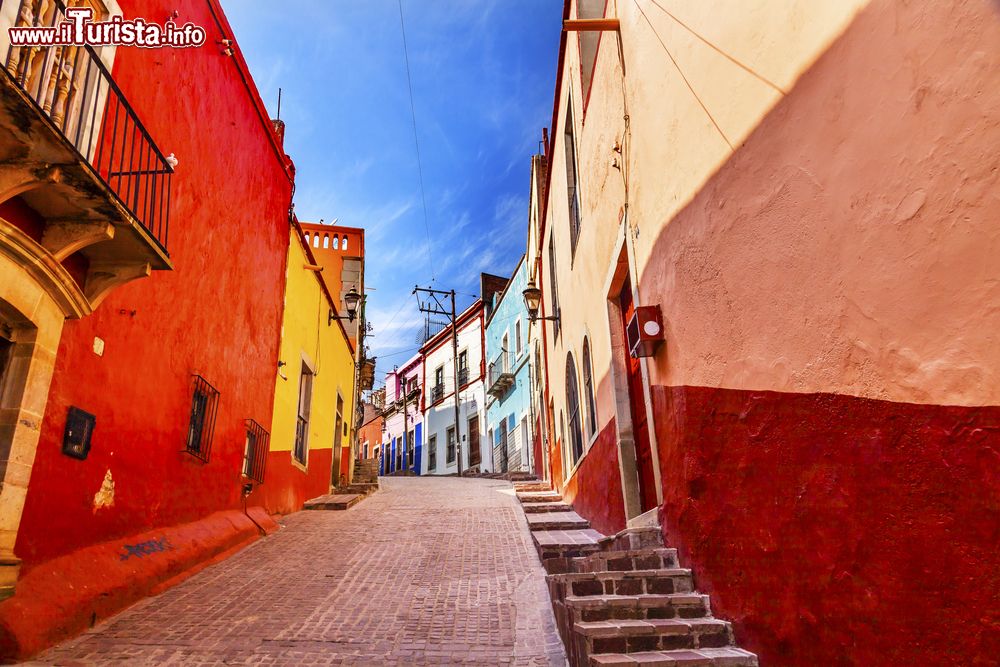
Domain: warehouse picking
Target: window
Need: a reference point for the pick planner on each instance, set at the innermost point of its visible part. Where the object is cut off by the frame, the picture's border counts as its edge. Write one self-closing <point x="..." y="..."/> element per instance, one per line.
<point x="517" y="336"/>
<point x="305" y="405"/>
<point x="255" y="451"/>
<point x="364" y="450"/>
<point x="588" y="389"/>
<point x="410" y="446"/>
<point x="572" y="185"/>
<point x="463" y="367"/>
<point x="339" y="424"/>
<point x="588" y="9"/>
<point x="575" y="434"/>
<point x="450" y="439"/>
<point x="344" y="245"/>
<point x="505" y="351"/>
<point x="438" y="392"/>
<point x="432" y="454"/>
<point x="553" y="285"/>
<point x="201" y="428"/>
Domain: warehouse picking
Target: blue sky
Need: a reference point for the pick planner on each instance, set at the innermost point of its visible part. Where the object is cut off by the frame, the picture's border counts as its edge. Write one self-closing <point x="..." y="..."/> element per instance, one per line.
<point x="483" y="74"/>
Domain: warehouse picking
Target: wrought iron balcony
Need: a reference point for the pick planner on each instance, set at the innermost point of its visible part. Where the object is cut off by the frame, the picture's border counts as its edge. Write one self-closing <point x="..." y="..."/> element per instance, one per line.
<point x="501" y="375"/>
<point x="75" y="151"/>
<point x="463" y="377"/>
<point x="437" y="393"/>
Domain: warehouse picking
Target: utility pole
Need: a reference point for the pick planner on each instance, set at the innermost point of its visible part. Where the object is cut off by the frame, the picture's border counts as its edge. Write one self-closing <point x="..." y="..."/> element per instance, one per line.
<point x="433" y="305"/>
<point x="405" y="427"/>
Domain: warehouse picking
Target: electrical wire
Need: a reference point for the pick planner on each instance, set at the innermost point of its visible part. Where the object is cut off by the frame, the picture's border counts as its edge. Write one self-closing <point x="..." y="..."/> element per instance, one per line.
<point x="686" y="82"/>
<point x="416" y="142"/>
<point x="728" y="57"/>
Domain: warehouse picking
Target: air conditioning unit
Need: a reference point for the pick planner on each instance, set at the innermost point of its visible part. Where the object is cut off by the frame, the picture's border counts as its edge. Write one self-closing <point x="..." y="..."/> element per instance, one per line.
<point x="644" y="331"/>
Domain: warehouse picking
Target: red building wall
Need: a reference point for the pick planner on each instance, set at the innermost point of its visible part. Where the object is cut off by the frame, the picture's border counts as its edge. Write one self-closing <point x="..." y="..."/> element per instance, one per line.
<point x="217" y="314"/>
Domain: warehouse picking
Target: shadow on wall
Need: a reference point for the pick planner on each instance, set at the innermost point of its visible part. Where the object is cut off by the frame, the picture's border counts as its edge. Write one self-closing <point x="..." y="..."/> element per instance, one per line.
<point x="846" y="250"/>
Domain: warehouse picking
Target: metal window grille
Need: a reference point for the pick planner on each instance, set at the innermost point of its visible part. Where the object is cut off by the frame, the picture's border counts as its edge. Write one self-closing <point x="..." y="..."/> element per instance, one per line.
<point x="437" y="393"/>
<point x="255" y="454"/>
<point x="201" y="428"/>
<point x="432" y="453"/>
<point x="451" y="445"/>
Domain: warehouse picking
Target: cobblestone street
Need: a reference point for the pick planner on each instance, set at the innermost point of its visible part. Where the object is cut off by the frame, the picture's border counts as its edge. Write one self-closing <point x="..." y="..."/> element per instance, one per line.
<point x="426" y="571"/>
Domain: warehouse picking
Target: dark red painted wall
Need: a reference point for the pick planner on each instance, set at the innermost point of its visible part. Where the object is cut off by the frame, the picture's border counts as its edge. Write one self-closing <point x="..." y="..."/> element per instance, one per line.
<point x="602" y="503"/>
<point x="217" y="314"/>
<point x="835" y="530"/>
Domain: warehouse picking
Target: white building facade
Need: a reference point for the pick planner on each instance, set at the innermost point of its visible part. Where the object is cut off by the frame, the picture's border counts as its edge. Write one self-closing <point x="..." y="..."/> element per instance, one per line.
<point x="444" y="441"/>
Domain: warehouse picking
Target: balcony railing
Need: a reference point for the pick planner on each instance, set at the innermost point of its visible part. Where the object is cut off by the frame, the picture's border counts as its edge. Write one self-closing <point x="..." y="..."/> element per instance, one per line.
<point x="501" y="376"/>
<point x="73" y="88"/>
<point x="463" y="377"/>
<point x="437" y="393"/>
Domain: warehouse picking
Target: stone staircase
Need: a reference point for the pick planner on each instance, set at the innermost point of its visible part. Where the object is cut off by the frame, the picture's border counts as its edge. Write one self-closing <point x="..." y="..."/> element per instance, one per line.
<point x="623" y="600"/>
<point x="365" y="478"/>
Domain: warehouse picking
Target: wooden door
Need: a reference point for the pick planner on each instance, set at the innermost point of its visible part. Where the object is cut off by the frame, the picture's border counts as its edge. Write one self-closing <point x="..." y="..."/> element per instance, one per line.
<point x="474" y="455"/>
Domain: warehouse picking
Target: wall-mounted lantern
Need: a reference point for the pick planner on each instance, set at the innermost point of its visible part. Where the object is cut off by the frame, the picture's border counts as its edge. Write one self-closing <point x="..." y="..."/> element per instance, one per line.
<point x="532" y="300"/>
<point x="351" y="301"/>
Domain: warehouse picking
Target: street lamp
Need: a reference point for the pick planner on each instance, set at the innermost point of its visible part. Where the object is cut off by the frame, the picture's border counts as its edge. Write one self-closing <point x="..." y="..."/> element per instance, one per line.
<point x="351" y="301"/>
<point x="532" y="299"/>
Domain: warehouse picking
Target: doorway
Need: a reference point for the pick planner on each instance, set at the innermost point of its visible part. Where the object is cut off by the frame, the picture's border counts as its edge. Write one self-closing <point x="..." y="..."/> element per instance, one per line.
<point x="502" y="454"/>
<point x="637" y="409"/>
<point x="474" y="455"/>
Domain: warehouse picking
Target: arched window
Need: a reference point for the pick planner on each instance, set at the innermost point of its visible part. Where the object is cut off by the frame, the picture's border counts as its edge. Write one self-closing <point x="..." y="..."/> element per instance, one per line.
<point x="343" y="246"/>
<point x="588" y="389"/>
<point x="315" y="240"/>
<point x="326" y="240"/>
<point x="575" y="431"/>
<point x="336" y="242"/>
<point x="306" y="237"/>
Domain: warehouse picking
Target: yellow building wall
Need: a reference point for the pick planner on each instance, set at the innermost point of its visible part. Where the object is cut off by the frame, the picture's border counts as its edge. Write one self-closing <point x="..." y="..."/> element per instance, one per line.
<point x="306" y="336"/>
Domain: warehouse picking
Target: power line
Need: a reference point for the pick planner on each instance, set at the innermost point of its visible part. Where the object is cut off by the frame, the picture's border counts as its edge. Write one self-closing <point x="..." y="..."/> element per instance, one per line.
<point x="416" y="142"/>
<point x="733" y="60"/>
<point x="685" y="79"/>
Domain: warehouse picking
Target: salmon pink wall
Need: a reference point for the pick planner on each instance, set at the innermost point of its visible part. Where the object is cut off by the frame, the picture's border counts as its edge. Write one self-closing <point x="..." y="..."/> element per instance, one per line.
<point x="217" y="314"/>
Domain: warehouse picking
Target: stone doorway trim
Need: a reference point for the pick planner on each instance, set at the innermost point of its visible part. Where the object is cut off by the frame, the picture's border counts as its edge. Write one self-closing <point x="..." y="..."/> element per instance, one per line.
<point x="621" y="269"/>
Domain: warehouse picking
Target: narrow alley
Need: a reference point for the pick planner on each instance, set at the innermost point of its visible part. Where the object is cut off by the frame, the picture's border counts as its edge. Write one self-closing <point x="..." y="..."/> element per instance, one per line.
<point x="426" y="571"/>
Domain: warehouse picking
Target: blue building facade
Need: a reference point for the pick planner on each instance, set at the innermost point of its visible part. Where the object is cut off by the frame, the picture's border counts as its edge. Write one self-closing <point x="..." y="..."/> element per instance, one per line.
<point x="509" y="375"/>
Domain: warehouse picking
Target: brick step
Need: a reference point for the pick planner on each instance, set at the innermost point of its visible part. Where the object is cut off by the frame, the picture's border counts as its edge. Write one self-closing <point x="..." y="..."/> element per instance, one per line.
<point x="639" y="559"/>
<point x="539" y="497"/>
<point x="531" y="486"/>
<point x="632" y="539"/>
<point x="340" y="501"/>
<point x="556" y="521"/>
<point x="636" y="607"/>
<point x="535" y="508"/>
<point x="358" y="488"/>
<point x="634" y="636"/>
<point x="557" y="548"/>
<point x="631" y="582"/>
<point x="705" y="657"/>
